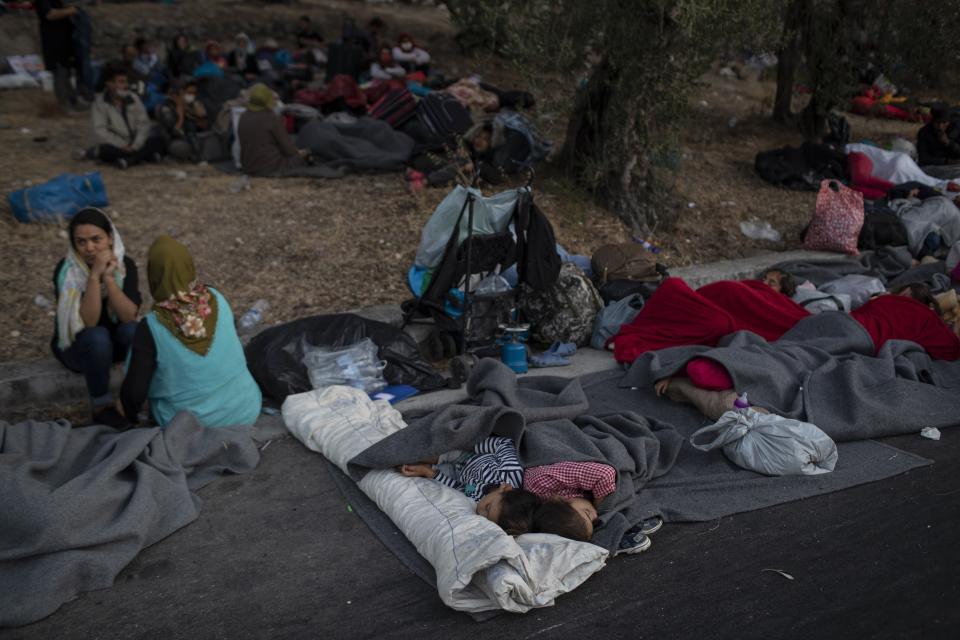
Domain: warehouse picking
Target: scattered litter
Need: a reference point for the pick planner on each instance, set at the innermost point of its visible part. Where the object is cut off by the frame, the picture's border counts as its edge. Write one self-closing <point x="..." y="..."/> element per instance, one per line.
<point x="25" y="131"/>
<point x="178" y="175"/>
<point x="727" y="72"/>
<point x="43" y="302"/>
<point x="349" y="601"/>
<point x="349" y="509"/>
<point x="781" y="572"/>
<point x="732" y="122"/>
<point x="270" y="411"/>
<point x="253" y="316"/>
<point x="240" y="184"/>
<point x="704" y="104"/>
<point x="691" y="205"/>
<point x="759" y="231"/>
<point x="63" y="234"/>
<point x="265" y="445"/>
<point x="930" y="432"/>
<point x="14" y="334"/>
<point x="238" y="240"/>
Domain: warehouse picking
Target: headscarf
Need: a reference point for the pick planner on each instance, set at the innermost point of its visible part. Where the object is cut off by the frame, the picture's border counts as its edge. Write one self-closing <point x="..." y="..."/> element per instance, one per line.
<point x="261" y="98"/>
<point x="240" y="51"/>
<point x="72" y="283"/>
<point x="182" y="304"/>
<point x="249" y="49"/>
<point x="216" y="58"/>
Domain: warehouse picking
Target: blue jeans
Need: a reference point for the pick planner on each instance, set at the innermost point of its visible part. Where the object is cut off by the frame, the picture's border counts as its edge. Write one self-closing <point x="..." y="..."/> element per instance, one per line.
<point x="93" y="352"/>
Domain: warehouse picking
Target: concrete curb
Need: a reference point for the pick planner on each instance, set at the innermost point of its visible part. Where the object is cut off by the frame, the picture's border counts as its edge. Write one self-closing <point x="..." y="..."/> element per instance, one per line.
<point x="39" y="384"/>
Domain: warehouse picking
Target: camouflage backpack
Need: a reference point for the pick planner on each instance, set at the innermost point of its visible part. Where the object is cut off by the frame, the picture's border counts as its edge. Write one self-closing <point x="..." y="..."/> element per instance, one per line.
<point x="563" y="312"/>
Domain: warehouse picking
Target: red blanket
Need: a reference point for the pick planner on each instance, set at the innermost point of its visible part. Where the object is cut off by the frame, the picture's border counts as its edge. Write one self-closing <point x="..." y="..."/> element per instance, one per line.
<point x="902" y="318"/>
<point x="675" y="315"/>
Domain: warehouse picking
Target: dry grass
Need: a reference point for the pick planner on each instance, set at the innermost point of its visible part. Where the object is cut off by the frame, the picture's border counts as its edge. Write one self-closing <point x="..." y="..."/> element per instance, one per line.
<point x="311" y="247"/>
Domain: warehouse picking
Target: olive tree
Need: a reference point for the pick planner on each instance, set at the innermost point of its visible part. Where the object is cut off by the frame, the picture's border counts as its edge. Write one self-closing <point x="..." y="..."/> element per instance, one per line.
<point x="644" y="59"/>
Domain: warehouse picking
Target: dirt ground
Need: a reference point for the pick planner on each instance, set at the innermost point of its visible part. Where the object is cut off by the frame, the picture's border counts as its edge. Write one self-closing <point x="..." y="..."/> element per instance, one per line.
<point x="315" y="246"/>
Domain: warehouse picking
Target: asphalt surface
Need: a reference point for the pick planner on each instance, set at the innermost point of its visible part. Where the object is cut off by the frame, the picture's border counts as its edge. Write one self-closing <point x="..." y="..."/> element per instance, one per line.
<point x="278" y="554"/>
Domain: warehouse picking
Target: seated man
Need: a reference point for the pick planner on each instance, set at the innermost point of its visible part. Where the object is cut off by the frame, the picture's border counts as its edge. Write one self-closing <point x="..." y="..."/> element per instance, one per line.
<point x="121" y="126"/>
<point x="265" y="146"/>
<point x="183" y="116"/>
<point x="938" y="148"/>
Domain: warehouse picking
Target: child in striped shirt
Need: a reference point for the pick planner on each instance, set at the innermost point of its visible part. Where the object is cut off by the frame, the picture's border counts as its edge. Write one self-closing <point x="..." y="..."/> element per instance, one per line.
<point x="490" y="475"/>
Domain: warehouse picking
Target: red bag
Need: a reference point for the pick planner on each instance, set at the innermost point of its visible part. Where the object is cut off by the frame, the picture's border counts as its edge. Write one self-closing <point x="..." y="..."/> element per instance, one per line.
<point x="837" y="220"/>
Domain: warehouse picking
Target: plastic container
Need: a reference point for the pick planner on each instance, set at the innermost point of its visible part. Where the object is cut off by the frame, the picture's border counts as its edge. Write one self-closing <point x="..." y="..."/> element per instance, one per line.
<point x="253" y="316"/>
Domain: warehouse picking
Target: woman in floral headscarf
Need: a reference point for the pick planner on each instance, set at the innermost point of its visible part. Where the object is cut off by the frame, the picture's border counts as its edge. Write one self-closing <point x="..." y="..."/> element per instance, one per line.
<point x="186" y="355"/>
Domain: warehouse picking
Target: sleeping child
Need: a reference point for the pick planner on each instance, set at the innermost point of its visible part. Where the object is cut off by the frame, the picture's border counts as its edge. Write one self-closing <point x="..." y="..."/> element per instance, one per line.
<point x="491" y="476"/>
<point x="571" y="493"/>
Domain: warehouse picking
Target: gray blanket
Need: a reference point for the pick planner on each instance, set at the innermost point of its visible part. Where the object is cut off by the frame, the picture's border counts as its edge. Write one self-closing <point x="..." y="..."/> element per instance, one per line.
<point x="707" y="486"/>
<point x="924" y="217"/>
<point x="79" y="504"/>
<point x="365" y="145"/>
<point x="885" y="264"/>
<point x="822" y="371"/>
<point x="545" y="416"/>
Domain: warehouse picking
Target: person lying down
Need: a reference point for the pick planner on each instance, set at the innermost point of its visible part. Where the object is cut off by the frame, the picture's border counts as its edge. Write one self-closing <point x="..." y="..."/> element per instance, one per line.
<point x="560" y="499"/>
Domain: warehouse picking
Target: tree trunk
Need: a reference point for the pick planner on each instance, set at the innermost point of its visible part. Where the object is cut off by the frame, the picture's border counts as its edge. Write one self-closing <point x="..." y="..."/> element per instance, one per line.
<point x="603" y="154"/>
<point x="788" y="58"/>
<point x="827" y="59"/>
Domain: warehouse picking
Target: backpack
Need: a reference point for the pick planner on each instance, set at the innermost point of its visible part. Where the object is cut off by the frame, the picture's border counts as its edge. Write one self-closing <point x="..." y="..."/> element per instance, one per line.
<point x="626" y="261"/>
<point x="444" y="117"/>
<point x="395" y="107"/>
<point x="564" y="312"/>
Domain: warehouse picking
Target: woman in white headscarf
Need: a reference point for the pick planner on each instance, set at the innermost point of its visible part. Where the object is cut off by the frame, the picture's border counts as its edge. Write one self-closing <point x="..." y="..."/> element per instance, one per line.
<point x="242" y="58"/>
<point x="98" y="298"/>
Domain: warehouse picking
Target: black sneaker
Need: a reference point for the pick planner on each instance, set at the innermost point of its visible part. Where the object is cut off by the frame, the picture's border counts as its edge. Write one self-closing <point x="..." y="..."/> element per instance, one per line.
<point x="632" y="543"/>
<point x="651" y="525"/>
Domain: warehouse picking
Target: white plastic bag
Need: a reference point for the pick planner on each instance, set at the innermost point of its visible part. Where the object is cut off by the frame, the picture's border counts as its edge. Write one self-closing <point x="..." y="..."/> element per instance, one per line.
<point x="770" y="444"/>
<point x="354" y="366"/>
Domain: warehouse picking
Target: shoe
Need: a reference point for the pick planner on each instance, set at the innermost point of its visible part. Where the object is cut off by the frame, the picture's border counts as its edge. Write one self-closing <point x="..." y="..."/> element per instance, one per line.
<point x="122" y="163"/>
<point x="651" y="525"/>
<point x="632" y="543"/>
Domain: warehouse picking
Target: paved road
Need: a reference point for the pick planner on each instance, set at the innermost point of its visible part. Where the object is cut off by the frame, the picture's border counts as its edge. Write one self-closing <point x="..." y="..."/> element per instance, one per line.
<point x="277" y="554"/>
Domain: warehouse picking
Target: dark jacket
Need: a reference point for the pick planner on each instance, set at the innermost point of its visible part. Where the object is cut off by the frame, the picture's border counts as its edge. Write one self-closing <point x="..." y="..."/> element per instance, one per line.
<point x="932" y="151"/>
<point x="265" y="146"/>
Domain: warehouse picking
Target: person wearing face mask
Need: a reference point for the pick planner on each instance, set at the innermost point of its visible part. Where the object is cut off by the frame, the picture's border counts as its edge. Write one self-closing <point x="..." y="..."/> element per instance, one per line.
<point x="98" y="298"/>
<point x="183" y="116"/>
<point x="409" y="55"/>
<point x="121" y="126"/>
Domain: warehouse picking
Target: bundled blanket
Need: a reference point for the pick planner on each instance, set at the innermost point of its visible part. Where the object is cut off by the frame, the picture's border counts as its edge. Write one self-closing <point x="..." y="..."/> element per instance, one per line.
<point x="365" y="144"/>
<point x="546" y="417"/>
<point x="80" y="504"/>
<point x="822" y="371"/>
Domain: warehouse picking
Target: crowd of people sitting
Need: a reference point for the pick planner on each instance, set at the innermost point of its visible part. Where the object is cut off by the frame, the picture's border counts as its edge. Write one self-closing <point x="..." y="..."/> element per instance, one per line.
<point x="246" y="103"/>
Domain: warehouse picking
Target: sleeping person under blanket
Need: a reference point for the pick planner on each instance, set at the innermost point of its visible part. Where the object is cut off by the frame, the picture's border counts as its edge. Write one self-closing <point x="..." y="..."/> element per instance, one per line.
<point x="571" y="493"/>
<point x="488" y="475"/>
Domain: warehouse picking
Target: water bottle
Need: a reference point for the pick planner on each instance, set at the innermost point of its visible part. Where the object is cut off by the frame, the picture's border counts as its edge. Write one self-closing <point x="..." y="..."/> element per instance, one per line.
<point x="652" y="248"/>
<point x="741" y="403"/>
<point x="252" y="318"/>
